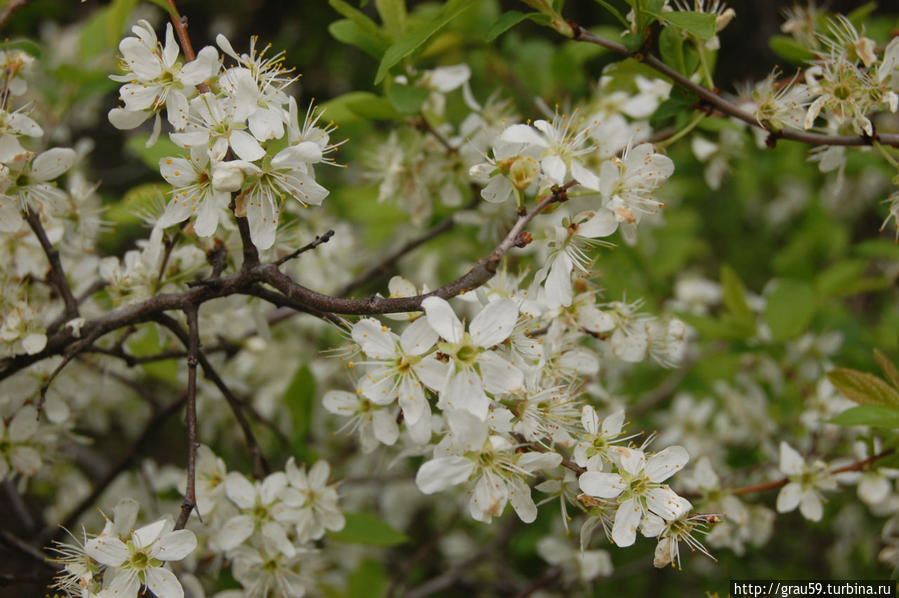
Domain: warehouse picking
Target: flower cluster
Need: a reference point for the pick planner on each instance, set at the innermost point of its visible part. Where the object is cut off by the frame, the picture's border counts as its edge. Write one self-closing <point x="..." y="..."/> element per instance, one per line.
<point x="233" y="122"/>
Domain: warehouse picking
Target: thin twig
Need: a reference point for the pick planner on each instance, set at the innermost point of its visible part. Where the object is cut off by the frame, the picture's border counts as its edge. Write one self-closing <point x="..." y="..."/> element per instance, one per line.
<point x="319" y="240"/>
<point x="260" y="466"/>
<point x="716" y="101"/>
<point x="57" y="275"/>
<point x="180" y="24"/>
<point x="296" y="296"/>
<point x="784" y="481"/>
<point x="9" y="9"/>
<point x="121" y="465"/>
<point x="383" y="267"/>
<point x="25" y="548"/>
<point x="193" y="351"/>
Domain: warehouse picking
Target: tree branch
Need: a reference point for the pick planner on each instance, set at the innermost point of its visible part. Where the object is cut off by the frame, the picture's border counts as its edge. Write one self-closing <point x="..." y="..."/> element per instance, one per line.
<point x="858" y="465"/>
<point x="193" y="351"/>
<point x="728" y="108"/>
<point x="121" y="465"/>
<point x="260" y="466"/>
<point x="57" y="276"/>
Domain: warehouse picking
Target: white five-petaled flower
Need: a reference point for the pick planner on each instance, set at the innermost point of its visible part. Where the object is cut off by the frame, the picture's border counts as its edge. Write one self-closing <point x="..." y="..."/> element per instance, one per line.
<point x="560" y="145"/>
<point x="202" y="188"/>
<point x="139" y="560"/>
<point x="805" y="482"/>
<point x="473" y="365"/>
<point x="569" y="252"/>
<point x="26" y="182"/>
<point x="470" y="452"/>
<point x="373" y="423"/>
<point x="638" y="488"/>
<point x="627" y="185"/>
<point x="397" y="365"/>
<point x="155" y="77"/>
<point x="260" y="509"/>
<point x="314" y="501"/>
<point x="599" y="437"/>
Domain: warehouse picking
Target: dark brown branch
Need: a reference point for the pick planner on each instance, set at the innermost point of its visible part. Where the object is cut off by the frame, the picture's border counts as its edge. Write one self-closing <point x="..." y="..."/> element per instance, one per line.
<point x="295" y="296"/>
<point x="260" y="466"/>
<point x="716" y="101"/>
<point x="57" y="276"/>
<point x="474" y="278"/>
<point x="193" y="351"/>
<point x="250" y="253"/>
<point x="319" y="240"/>
<point x="121" y="465"/>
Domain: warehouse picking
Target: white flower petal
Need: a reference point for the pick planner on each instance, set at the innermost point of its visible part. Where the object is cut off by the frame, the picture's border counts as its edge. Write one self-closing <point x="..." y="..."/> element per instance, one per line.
<point x="443" y="319"/>
<point x="441" y="473"/>
<point x="494" y="323"/>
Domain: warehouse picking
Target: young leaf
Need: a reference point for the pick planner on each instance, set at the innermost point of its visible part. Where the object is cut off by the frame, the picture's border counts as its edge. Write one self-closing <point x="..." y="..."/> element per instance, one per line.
<point x="863" y="388"/>
<point x="413" y="40"/>
<point x="512" y="18"/>
<point x="369" y="580"/>
<point x="789" y="49"/>
<point x="361" y="19"/>
<point x="699" y="24"/>
<point x="407" y="99"/>
<point x="887" y="367"/>
<point x="789" y="309"/>
<point x="868" y="415"/>
<point x="362" y="528"/>
<point x="671" y="49"/>
<point x="300" y="401"/>
<point x="393" y="15"/>
<point x="735" y="297"/>
<point x="349" y="32"/>
<point x="614" y="12"/>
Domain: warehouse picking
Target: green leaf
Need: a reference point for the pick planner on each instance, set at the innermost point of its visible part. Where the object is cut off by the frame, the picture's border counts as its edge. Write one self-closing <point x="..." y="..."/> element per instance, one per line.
<point x="415" y="39"/>
<point x="349" y="32"/>
<point x="633" y="41"/>
<point x="407" y="99"/>
<point x="858" y="16"/>
<point x="26" y="45"/>
<point x="840" y="277"/>
<point x="614" y="12"/>
<point x="868" y="415"/>
<point x="104" y="29"/>
<point x="166" y="7"/>
<point x="789" y="308"/>
<point x="360" y="105"/>
<point x="863" y="388"/>
<point x="735" y="298"/>
<point x="374" y="107"/>
<point x="369" y="580"/>
<point x="300" y="401"/>
<point x="887" y="367"/>
<point x="363" y="528"/>
<point x="789" y="49"/>
<point x="393" y="16"/>
<point x="361" y="20"/>
<point x="512" y="18"/>
<point x="671" y="49"/>
<point x="698" y="24"/>
<point x="163" y="148"/>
